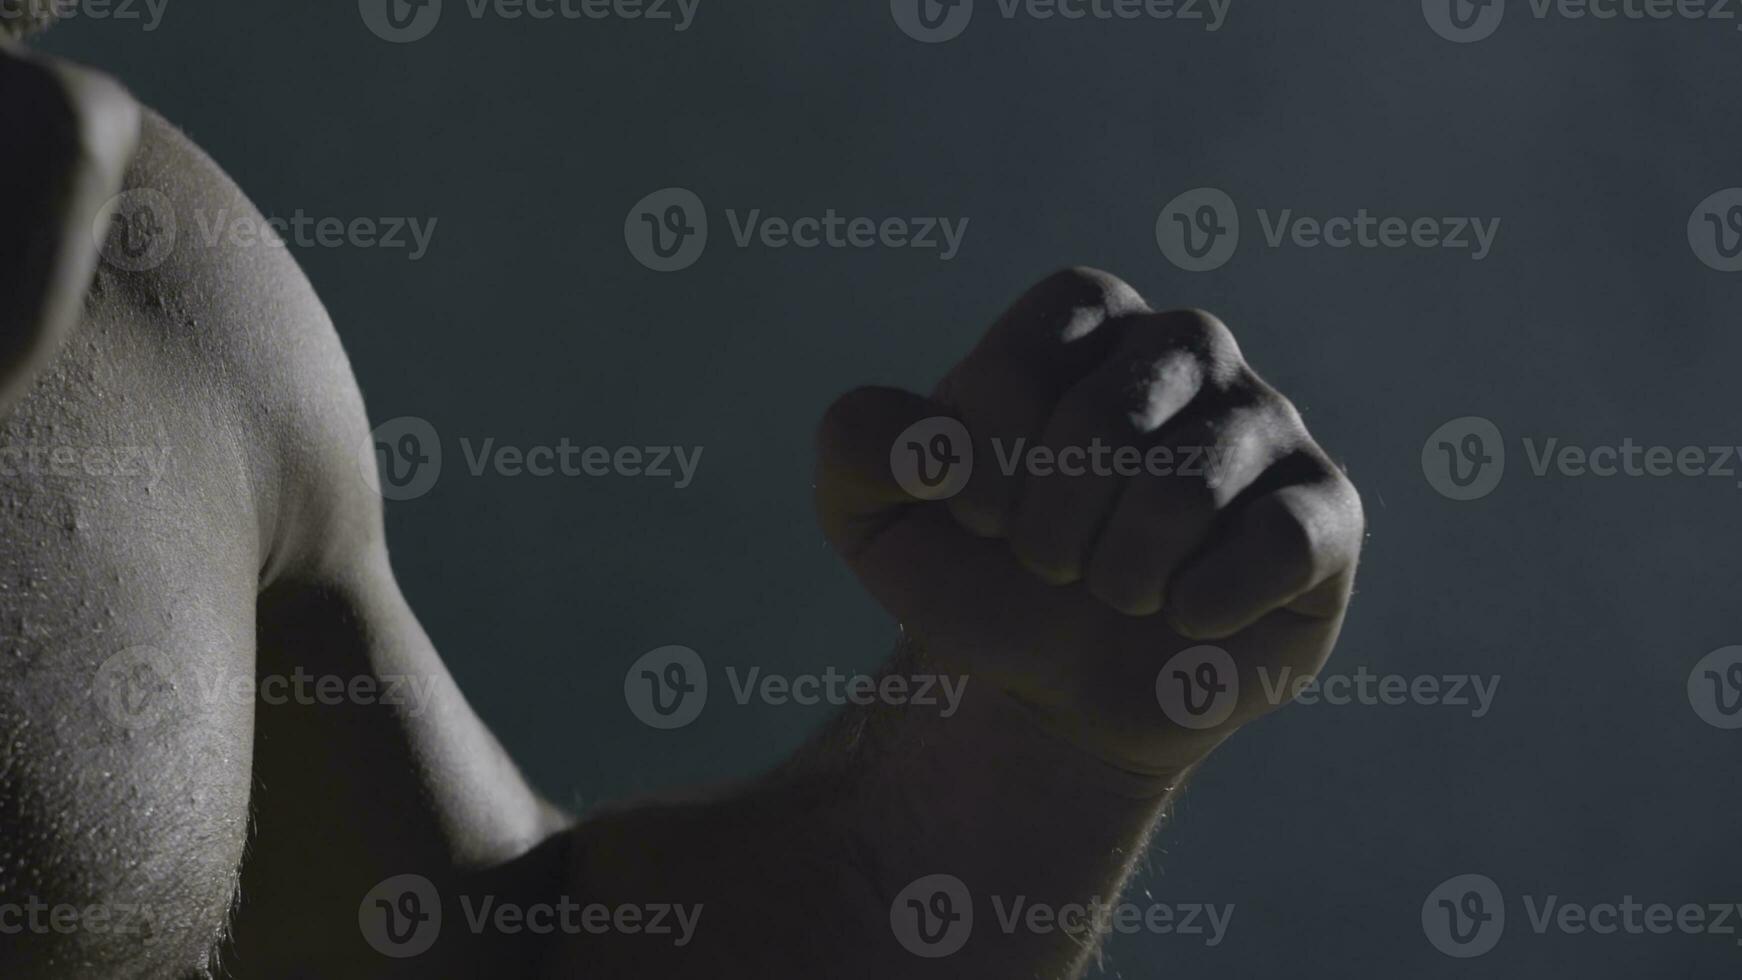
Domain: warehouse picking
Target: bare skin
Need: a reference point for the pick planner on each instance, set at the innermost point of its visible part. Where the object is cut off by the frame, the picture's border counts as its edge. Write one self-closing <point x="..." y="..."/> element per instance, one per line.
<point x="255" y="549"/>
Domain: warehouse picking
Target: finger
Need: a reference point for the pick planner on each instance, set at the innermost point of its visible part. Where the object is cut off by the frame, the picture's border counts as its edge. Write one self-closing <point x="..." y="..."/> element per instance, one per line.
<point x="1275" y="549"/>
<point x="1162" y="518"/>
<point x="910" y="554"/>
<point x="1097" y="439"/>
<point x="857" y="490"/>
<point x="1054" y="327"/>
<point x="1006" y="388"/>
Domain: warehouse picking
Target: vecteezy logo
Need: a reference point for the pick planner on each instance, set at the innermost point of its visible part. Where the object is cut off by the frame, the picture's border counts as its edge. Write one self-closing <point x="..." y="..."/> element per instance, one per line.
<point x="1199" y="687"/>
<point x="401" y="917"/>
<point x="933" y="917"/>
<point x="666" y="688"/>
<point x="1199" y="230"/>
<point x="401" y="21"/>
<point x="135" y="689"/>
<point x="932" y="21"/>
<point x="1464" y="21"/>
<point x="932" y="459"/>
<point x="1715" y="230"/>
<point x="136" y="230"/>
<point x="1715" y="688"/>
<point x="667" y="230"/>
<point x="1465" y="458"/>
<point x="1465" y="916"/>
<point x="402" y="458"/>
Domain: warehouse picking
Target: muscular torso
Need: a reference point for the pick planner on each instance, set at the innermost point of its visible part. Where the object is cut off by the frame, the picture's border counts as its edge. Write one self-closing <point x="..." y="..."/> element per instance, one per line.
<point x="184" y="517"/>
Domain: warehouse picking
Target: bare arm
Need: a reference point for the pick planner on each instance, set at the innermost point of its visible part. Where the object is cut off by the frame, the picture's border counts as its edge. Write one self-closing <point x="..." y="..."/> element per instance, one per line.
<point x="876" y="852"/>
<point x="1081" y="605"/>
<point x="1062" y="601"/>
<point x="1075" y="609"/>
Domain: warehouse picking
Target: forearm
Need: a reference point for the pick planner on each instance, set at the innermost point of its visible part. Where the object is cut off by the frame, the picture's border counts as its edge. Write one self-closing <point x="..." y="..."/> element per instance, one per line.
<point x="798" y="872"/>
<point x="1020" y="818"/>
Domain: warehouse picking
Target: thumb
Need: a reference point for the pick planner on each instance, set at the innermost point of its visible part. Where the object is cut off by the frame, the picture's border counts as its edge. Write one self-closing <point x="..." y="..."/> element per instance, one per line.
<point x="886" y="459"/>
<point x="880" y="451"/>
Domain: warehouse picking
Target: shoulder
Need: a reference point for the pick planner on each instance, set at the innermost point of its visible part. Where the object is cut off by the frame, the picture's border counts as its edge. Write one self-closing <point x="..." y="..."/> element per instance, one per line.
<point x="226" y="314"/>
<point x="191" y="436"/>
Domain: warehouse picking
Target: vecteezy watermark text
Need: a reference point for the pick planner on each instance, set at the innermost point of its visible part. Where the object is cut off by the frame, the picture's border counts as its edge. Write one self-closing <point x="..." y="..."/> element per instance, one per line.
<point x="1469" y="21"/>
<point x="148" y="14"/>
<point x="933" y="459"/>
<point x="667" y="688"/>
<point x="936" y="21"/>
<point x="1200" y="688"/>
<point x="138" y="230"/>
<point x="401" y="459"/>
<point x="677" y="463"/>
<point x="1465" y="917"/>
<point x="37" y="917"/>
<point x="1200" y="230"/>
<point x="667" y="231"/>
<point x="141" y="687"/>
<point x="1465" y="459"/>
<point x="402" y="917"/>
<point x="405" y="21"/>
<point x="244" y="230"/>
<point x="935" y="915"/>
<point x="1368" y="689"/>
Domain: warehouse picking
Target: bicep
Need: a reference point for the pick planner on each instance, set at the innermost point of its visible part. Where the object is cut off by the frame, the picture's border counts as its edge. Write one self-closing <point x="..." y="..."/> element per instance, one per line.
<point x="389" y="770"/>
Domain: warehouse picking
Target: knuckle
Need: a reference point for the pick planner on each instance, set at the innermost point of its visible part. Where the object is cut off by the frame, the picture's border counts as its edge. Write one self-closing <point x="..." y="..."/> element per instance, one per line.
<point x="1346" y="498"/>
<point x="1083" y="286"/>
<point x="1070" y="304"/>
<point x="1243" y="423"/>
<point x="1255" y="410"/>
<point x="1286" y="413"/>
<point x="1151" y="387"/>
<point x="1204" y="334"/>
<point x="1309" y="467"/>
<point x="1324" y="519"/>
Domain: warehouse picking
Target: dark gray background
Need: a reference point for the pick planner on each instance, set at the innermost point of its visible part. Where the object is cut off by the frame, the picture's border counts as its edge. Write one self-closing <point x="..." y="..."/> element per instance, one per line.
<point x="1326" y="826"/>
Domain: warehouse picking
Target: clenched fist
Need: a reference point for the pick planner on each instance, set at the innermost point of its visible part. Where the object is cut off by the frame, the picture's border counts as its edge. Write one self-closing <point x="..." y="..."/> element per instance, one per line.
<point x="1104" y="512"/>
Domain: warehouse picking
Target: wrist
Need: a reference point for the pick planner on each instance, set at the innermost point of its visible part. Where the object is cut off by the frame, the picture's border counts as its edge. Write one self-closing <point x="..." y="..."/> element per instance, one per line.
<point x="1113" y="731"/>
<point x="1010" y="732"/>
